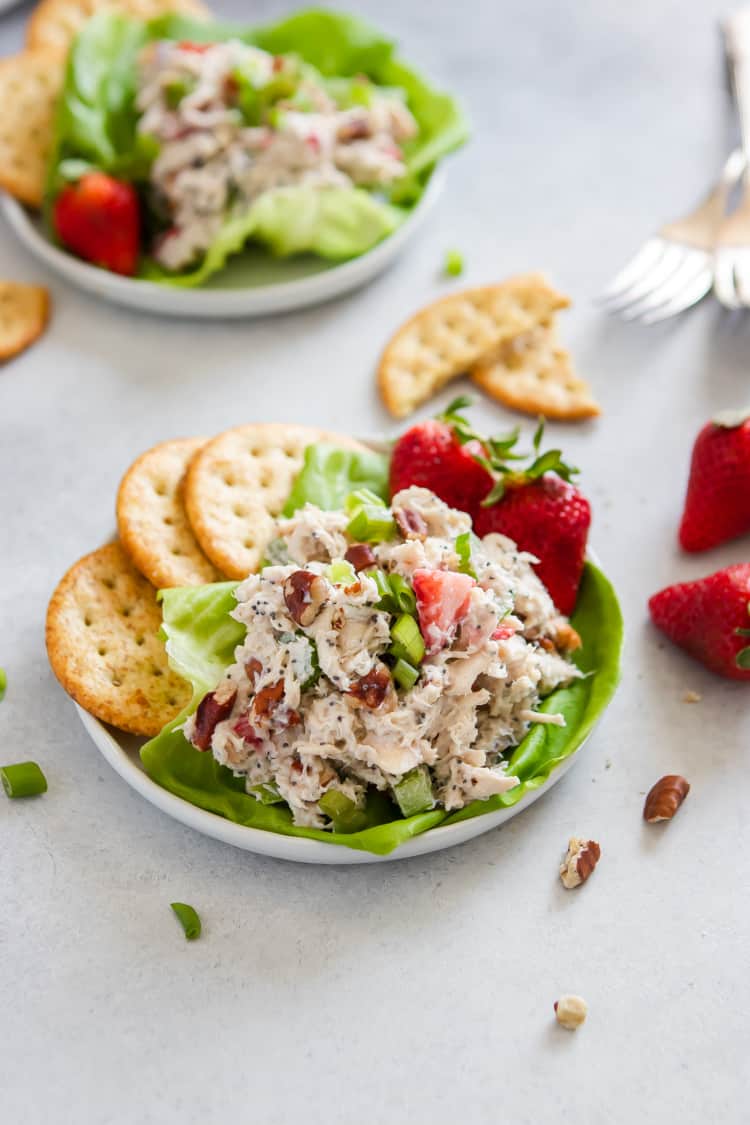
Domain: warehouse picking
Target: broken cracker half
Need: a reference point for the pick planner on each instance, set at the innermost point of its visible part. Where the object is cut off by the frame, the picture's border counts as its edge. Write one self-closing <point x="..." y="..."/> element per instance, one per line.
<point x="451" y="336"/>
<point x="29" y="87"/>
<point x="103" y="644"/>
<point x="24" y="312"/>
<point x="533" y="373"/>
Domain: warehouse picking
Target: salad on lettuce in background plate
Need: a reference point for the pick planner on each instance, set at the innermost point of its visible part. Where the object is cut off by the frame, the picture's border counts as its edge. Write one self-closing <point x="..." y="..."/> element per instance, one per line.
<point x="178" y="144"/>
<point x="384" y="673"/>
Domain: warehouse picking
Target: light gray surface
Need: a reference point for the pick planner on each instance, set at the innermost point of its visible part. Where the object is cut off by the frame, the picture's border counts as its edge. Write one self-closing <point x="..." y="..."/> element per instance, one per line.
<point x="424" y="990"/>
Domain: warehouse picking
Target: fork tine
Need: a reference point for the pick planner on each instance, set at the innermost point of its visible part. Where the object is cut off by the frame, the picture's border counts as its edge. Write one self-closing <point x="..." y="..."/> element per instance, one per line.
<point x="694" y="265"/>
<point x="724" y="286"/>
<point x="668" y="263"/>
<point x="742" y="276"/>
<point x="646" y="257"/>
<point x="689" y="296"/>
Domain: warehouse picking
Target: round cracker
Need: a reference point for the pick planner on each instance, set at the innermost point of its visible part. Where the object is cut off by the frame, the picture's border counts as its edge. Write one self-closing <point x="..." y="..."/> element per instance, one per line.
<point x="152" y="522"/>
<point x="55" y="23"/>
<point x="238" y="483"/>
<point x="449" y="337"/>
<point x="29" y="87"/>
<point x="24" y="311"/>
<point x="103" y="644"/>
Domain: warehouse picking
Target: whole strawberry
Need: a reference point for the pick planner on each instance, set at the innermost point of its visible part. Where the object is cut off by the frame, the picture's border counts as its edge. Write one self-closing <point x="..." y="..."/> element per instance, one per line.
<point x="710" y="619"/>
<point x="98" y="218"/>
<point x="431" y="455"/>
<point x="717" y="506"/>
<point x="549" y="517"/>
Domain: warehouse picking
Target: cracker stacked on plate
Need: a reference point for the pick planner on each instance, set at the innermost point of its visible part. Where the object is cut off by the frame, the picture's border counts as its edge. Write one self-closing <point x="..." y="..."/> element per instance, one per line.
<point x="503" y="337"/>
<point x="189" y="512"/>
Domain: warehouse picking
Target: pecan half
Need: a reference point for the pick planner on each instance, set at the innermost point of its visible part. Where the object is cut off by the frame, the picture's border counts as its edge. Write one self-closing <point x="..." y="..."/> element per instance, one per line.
<point x="664" y="798"/>
<point x="304" y="594"/>
<point x="212" y="710"/>
<point x="361" y="556"/>
<point x="411" y="524"/>
<point x="356" y="130"/>
<point x="580" y="860"/>
<point x="372" y="688"/>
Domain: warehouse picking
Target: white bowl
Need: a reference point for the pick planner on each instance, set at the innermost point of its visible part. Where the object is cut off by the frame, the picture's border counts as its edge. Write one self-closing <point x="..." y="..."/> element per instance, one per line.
<point x="121" y="751"/>
<point x="252" y="284"/>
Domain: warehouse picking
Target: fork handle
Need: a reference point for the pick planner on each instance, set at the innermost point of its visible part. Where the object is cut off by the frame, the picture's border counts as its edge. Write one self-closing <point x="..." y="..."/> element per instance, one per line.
<point x="737" y="43"/>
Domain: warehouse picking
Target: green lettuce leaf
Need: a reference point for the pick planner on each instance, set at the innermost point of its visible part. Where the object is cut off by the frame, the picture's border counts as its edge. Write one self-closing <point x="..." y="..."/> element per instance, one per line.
<point x="200" y="642"/>
<point x="334" y="222"/>
<point x="96" y="128"/>
<point x="329" y="474"/>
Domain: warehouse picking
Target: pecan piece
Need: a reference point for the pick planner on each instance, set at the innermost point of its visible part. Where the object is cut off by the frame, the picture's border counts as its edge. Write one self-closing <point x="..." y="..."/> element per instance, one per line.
<point x="356" y="130"/>
<point x="212" y="710"/>
<point x="372" y="688"/>
<point x="411" y="524"/>
<point x="361" y="556"/>
<point x="566" y="637"/>
<point x="268" y="698"/>
<point x="304" y="594"/>
<point x="664" y="798"/>
<point x="580" y="860"/>
<point x="253" y="669"/>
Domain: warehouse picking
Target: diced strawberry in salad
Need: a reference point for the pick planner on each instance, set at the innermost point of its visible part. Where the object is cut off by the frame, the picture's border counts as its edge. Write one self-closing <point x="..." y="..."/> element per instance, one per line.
<point x="443" y="599"/>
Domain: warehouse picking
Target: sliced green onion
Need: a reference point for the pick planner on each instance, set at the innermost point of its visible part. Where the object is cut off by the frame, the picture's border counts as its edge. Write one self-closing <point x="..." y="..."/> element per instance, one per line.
<point x="406" y="640"/>
<point x="3" y="683"/>
<point x="463" y="547"/>
<point x="189" y="919"/>
<point x="454" y="263"/>
<point x="267" y="794"/>
<point x="405" y="674"/>
<point x="413" y="792"/>
<point x="372" y="524"/>
<point x="342" y="811"/>
<point x="403" y="595"/>
<point x="314" y="676"/>
<point x="380" y="578"/>
<point x="25" y="779"/>
<point x="341" y="573"/>
<point x="363" y="498"/>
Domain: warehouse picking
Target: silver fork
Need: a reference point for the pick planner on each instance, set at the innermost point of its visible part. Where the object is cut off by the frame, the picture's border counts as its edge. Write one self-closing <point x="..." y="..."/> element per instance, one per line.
<point x="674" y="269"/>
<point x="732" y="258"/>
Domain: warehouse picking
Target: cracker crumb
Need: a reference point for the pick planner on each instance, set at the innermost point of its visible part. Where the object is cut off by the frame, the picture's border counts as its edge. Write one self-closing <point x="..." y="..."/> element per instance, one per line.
<point x="691" y="697"/>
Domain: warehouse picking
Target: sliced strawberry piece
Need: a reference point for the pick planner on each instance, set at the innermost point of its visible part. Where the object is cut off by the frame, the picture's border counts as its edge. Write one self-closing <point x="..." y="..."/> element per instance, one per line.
<point x="98" y="218"/>
<point x="443" y="599"/>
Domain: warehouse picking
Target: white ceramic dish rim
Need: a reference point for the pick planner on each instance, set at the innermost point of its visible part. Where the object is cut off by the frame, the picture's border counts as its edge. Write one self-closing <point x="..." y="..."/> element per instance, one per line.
<point x="249" y="301"/>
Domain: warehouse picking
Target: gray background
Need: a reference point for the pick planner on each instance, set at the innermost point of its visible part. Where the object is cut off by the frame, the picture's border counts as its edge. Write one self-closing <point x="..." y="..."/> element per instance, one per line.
<point x="420" y="990"/>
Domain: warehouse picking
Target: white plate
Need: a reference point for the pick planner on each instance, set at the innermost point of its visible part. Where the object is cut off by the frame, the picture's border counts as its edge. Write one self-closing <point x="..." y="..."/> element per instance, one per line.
<point x="121" y="751"/>
<point x="253" y="283"/>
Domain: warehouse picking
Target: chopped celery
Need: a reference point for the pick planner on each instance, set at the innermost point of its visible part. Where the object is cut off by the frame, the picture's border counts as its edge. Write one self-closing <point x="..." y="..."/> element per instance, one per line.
<point x="406" y="640"/>
<point x="342" y="811"/>
<point x="341" y="573"/>
<point x="372" y="524"/>
<point x="24" y="779"/>
<point x="413" y="792"/>
<point x="267" y="794"/>
<point x="380" y="578"/>
<point x="402" y="593"/>
<point x="463" y="546"/>
<point x="362" y="498"/>
<point x="3" y="683"/>
<point x="175" y="91"/>
<point x="454" y="263"/>
<point x="405" y="674"/>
